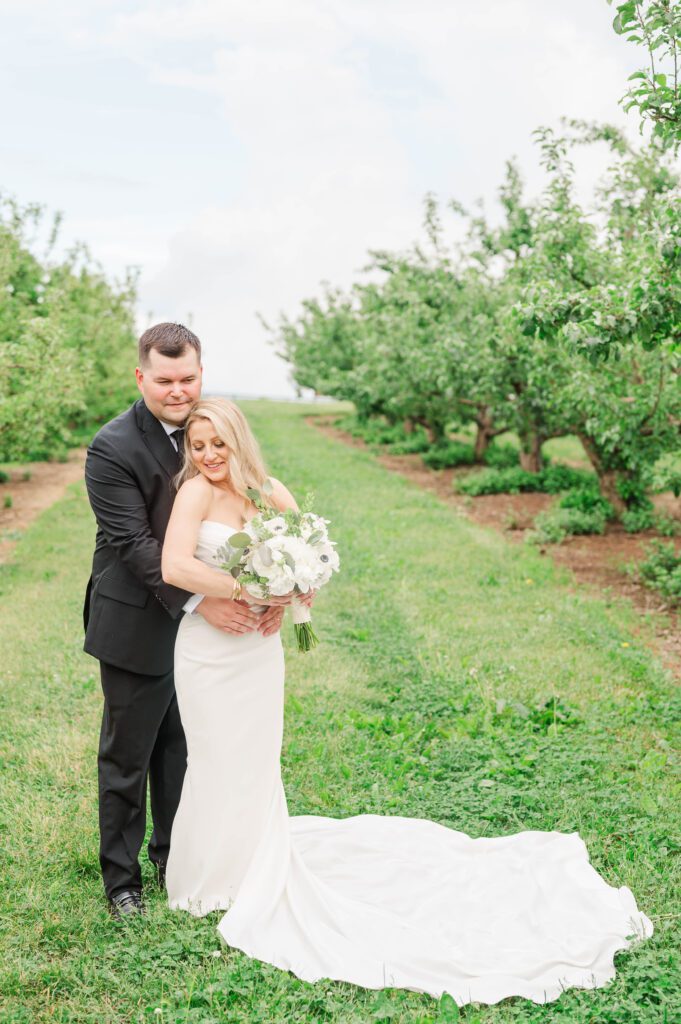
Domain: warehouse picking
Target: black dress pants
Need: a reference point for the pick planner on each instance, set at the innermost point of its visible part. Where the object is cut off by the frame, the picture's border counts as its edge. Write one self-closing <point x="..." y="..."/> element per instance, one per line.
<point x="141" y="737"/>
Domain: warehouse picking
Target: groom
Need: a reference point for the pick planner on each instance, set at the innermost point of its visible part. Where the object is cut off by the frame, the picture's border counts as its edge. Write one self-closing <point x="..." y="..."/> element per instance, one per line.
<point x="131" y="616"/>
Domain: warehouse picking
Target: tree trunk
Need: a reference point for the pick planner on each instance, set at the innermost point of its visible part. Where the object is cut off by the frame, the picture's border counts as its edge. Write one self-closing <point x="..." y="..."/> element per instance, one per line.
<point x="435" y="432"/>
<point x="530" y="452"/>
<point x="482" y="440"/>
<point x="607" y="483"/>
<point x="484" y="435"/>
<point x="408" y="426"/>
<point x="607" y="478"/>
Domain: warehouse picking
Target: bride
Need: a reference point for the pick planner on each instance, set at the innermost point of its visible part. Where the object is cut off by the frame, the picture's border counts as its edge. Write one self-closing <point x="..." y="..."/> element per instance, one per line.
<point x="383" y="902"/>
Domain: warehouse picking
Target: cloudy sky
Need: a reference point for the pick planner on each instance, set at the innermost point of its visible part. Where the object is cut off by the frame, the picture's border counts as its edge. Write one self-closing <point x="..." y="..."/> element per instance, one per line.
<point x="239" y="152"/>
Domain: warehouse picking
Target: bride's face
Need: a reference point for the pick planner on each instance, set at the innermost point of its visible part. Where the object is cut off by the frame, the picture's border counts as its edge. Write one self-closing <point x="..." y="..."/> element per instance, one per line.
<point x="209" y="452"/>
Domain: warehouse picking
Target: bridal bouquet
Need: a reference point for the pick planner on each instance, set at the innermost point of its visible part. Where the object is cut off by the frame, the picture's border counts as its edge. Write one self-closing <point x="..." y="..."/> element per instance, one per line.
<point x="277" y="553"/>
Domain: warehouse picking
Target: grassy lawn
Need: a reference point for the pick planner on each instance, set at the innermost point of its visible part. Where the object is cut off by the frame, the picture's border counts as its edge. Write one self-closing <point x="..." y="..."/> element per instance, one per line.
<point x="459" y="679"/>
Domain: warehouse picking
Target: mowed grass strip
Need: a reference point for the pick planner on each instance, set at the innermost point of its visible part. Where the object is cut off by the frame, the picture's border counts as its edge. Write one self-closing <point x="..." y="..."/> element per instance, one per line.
<point x="458" y="679"/>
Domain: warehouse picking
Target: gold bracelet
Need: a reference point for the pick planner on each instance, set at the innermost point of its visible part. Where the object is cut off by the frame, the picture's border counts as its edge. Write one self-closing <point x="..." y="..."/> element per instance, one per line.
<point x="236" y="593"/>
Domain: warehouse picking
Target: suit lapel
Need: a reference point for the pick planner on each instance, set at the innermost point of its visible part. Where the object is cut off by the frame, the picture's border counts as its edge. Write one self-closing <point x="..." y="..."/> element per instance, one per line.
<point x="156" y="439"/>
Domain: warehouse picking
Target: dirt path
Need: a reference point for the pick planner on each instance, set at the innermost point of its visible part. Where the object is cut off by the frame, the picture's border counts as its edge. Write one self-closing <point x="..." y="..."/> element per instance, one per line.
<point x="32" y="489"/>
<point x="596" y="561"/>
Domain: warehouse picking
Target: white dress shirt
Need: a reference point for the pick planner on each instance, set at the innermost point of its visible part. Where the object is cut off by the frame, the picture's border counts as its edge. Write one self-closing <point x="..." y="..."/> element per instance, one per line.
<point x="195" y="600"/>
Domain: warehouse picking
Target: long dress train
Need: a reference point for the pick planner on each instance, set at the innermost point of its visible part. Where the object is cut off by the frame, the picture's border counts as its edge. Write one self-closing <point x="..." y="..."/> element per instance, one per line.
<point x="382" y="902"/>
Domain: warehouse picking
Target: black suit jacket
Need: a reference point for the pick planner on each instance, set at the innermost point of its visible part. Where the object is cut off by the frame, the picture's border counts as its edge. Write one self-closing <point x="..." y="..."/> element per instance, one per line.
<point x="131" y="616"/>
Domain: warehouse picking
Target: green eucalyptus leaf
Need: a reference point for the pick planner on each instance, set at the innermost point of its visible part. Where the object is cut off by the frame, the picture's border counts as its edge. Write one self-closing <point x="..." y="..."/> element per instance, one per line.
<point x="240" y="540"/>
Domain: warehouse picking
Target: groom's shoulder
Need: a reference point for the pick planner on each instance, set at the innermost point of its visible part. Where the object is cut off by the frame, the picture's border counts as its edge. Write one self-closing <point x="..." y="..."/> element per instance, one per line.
<point x="119" y="430"/>
<point x="124" y="423"/>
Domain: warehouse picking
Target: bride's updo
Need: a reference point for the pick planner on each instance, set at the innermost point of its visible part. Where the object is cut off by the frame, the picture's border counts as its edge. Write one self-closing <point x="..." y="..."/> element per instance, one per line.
<point x="245" y="462"/>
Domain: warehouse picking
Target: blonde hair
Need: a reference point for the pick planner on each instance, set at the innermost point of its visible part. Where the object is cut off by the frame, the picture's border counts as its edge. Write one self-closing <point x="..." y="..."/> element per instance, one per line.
<point x="245" y="463"/>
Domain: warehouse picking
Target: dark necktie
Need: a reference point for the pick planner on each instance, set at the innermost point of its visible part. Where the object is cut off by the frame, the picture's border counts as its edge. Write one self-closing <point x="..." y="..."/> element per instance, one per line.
<point x="178" y="438"/>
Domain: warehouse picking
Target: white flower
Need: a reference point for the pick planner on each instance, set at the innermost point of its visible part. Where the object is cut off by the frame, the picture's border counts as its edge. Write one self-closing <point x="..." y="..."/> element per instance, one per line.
<point x="329" y="562"/>
<point x="311" y="523"/>
<point x="283" y="583"/>
<point x="276" y="525"/>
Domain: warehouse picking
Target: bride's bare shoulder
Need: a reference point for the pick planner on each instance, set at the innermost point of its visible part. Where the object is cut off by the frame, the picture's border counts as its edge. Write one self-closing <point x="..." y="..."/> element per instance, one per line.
<point x="194" y="493"/>
<point x="196" y="485"/>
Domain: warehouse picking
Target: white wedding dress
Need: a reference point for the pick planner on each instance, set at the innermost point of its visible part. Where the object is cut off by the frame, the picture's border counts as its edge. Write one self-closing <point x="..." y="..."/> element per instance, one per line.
<point x="382" y="902"/>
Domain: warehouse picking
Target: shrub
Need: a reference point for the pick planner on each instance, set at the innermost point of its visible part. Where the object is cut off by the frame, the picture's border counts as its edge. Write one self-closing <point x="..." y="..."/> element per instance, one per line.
<point x="553" y="525"/>
<point x="634" y="520"/>
<point x="587" y="500"/>
<point x="501" y="456"/>
<point x="453" y="453"/>
<point x="550" y="480"/>
<point x="379" y="431"/>
<point x="667" y="525"/>
<point x="413" y="444"/>
<point x="661" y="570"/>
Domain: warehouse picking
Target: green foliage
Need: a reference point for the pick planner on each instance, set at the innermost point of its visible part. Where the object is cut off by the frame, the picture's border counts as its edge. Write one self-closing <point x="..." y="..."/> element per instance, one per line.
<point x="457" y="453"/>
<point x="635" y="520"/>
<point x="656" y="92"/>
<point x="501" y="456"/>
<point x="667" y="526"/>
<point x="7" y="501"/>
<point x="450" y="453"/>
<point x="413" y="444"/>
<point x="554" y="524"/>
<point x="661" y="570"/>
<point x="550" y="480"/>
<point x="66" y="340"/>
<point x="587" y="500"/>
<point x="376" y="430"/>
<point x="559" y="321"/>
<point x="667" y="478"/>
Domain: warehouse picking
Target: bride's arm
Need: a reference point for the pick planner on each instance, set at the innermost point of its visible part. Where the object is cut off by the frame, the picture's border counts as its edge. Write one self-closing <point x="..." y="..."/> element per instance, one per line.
<point x="178" y="561"/>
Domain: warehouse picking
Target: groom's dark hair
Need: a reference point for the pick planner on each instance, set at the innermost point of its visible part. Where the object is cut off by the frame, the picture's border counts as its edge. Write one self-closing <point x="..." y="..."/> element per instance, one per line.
<point x="168" y="339"/>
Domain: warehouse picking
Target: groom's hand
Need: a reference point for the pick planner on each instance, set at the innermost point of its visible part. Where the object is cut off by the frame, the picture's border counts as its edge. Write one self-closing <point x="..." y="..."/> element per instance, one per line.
<point x="229" y="616"/>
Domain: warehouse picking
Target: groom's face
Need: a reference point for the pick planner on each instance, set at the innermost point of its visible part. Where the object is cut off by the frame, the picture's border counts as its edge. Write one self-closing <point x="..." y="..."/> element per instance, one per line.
<point x="170" y="386"/>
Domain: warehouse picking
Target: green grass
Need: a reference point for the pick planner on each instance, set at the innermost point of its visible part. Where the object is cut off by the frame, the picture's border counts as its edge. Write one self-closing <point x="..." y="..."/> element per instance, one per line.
<point x="449" y="658"/>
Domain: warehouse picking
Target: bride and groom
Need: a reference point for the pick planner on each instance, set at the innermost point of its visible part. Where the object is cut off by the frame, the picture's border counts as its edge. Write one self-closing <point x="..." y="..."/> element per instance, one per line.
<point x="193" y="686"/>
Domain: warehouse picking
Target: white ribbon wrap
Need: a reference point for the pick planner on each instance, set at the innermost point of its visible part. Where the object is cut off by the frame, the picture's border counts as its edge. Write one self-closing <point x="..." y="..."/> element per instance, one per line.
<point x="300" y="613"/>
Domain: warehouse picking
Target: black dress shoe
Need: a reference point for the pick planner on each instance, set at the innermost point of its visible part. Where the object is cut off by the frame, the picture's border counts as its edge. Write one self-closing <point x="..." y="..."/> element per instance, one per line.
<point x="160" y="866"/>
<point x="126" y="904"/>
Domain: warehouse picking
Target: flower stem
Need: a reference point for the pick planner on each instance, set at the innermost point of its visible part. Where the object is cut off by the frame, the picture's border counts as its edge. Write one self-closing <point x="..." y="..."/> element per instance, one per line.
<point x="306" y="636"/>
